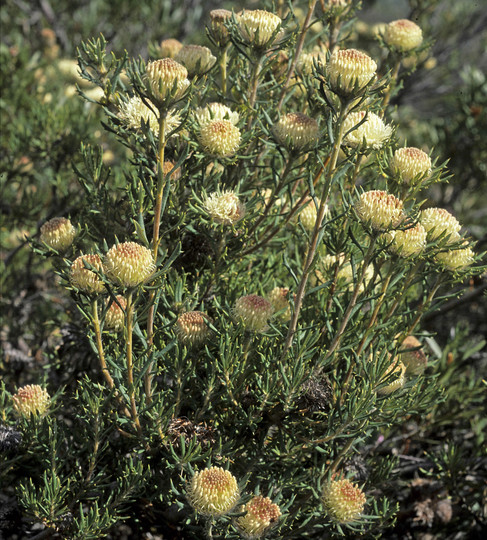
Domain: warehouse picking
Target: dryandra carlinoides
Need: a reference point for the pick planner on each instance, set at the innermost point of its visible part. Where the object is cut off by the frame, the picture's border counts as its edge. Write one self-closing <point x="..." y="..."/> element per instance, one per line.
<point x="31" y="399"/>
<point x="219" y="138"/>
<point x="167" y="81"/>
<point x="58" y="233"/>
<point x="261" y="514"/>
<point x="403" y="35"/>
<point x="259" y="27"/>
<point x="411" y="164"/>
<point x="213" y="492"/>
<point x="372" y="133"/>
<point x="129" y="264"/>
<point x="439" y="222"/>
<point x="343" y="500"/>
<point x="83" y="278"/>
<point x="349" y="70"/>
<point x="225" y="208"/>
<point x="296" y="131"/>
<point x="253" y="312"/>
<point x="192" y="327"/>
<point x="379" y="209"/>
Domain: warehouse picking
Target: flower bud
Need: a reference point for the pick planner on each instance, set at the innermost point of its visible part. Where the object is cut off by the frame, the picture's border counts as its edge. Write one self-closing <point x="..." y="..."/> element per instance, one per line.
<point x="58" y="233"/>
<point x="349" y="71"/>
<point x="217" y="28"/>
<point x="259" y="28"/>
<point x="411" y="164"/>
<point x="343" y="500"/>
<point x="373" y="131"/>
<point x="115" y="316"/>
<point x="439" y="222"/>
<point x="169" y="48"/>
<point x="396" y="371"/>
<point x="253" y="312"/>
<point x="192" y="327"/>
<point x="85" y="279"/>
<point x="215" y="111"/>
<point x="456" y="259"/>
<point x="403" y="35"/>
<point x="167" y="80"/>
<point x="213" y="492"/>
<point x="225" y="208"/>
<point x="279" y="298"/>
<point x="414" y="360"/>
<point x="129" y="264"/>
<point x="407" y="243"/>
<point x="196" y="59"/>
<point x="379" y="209"/>
<point x="219" y="138"/>
<point x="31" y="400"/>
<point x="296" y="131"/>
<point x="261" y="514"/>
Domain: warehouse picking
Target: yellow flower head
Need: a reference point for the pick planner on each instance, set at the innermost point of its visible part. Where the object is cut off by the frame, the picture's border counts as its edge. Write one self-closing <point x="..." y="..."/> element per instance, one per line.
<point x="167" y="80"/>
<point x="279" y="298"/>
<point x="349" y="70"/>
<point x="129" y="264"/>
<point x="219" y="138"/>
<point x="308" y="60"/>
<point x="253" y="312"/>
<point x="261" y="514"/>
<point x="411" y="164"/>
<point x="31" y="399"/>
<point x="213" y="492"/>
<point x="403" y="35"/>
<point x="343" y="500"/>
<point x="456" y="259"/>
<point x="296" y="131"/>
<point x="84" y="279"/>
<point x="192" y="327"/>
<point x="407" y="243"/>
<point x="439" y="222"/>
<point x="258" y="27"/>
<point x="58" y="233"/>
<point x="309" y="213"/>
<point x="134" y="110"/>
<point x="380" y="209"/>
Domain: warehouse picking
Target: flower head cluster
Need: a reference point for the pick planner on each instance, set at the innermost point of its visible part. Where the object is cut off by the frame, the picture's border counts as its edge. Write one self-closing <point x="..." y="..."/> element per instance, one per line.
<point x="134" y="110"/>
<point x="253" y="312"/>
<point x="261" y="514"/>
<point x="217" y="28"/>
<point x="278" y="297"/>
<point x="167" y="80"/>
<point x="215" y="111"/>
<point x="213" y="492"/>
<point x="343" y="500"/>
<point x="196" y="59"/>
<point x="31" y="400"/>
<point x="83" y="278"/>
<point x="225" y="208"/>
<point x="409" y="242"/>
<point x="403" y="35"/>
<point x="169" y="48"/>
<point x="379" y="209"/>
<point x="438" y="222"/>
<point x="395" y="371"/>
<point x="411" y="164"/>
<point x="129" y="264"/>
<point x="412" y="356"/>
<point x="456" y="259"/>
<point x="219" y="138"/>
<point x="58" y="233"/>
<point x="349" y="70"/>
<point x="259" y="28"/>
<point x="373" y="131"/>
<point x="296" y="131"/>
<point x="192" y="327"/>
<point x="115" y="316"/>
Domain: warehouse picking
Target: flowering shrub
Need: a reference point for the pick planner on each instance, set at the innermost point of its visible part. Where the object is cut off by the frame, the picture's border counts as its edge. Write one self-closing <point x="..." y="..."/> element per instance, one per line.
<point x="248" y="285"/>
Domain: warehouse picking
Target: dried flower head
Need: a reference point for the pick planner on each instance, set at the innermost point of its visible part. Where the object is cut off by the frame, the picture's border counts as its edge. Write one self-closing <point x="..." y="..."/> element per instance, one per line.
<point x="215" y="111"/>
<point x="134" y="110"/>
<point x="213" y="492"/>
<point x="115" y="316"/>
<point x="343" y="500"/>
<point x="379" y="209"/>
<point x="261" y="514"/>
<point x="85" y="279"/>
<point x="58" y="233"/>
<point x="403" y="35"/>
<point x="31" y="399"/>
<point x="196" y="59"/>
<point x="169" y="48"/>
<point x="253" y="312"/>
<point x="279" y="298"/>
<point x="455" y="260"/>
<point x="439" y="222"/>
<point x="309" y="213"/>
<point x="167" y="79"/>
<point x="407" y="243"/>
<point x="259" y="28"/>
<point x="296" y="131"/>
<point x="225" y="208"/>
<point x="373" y="131"/>
<point x="10" y="439"/>
<point x="217" y="28"/>
<point x="395" y="377"/>
<point x="168" y="166"/>
<point x="129" y="264"/>
<point x="192" y="327"/>
<point x="412" y="356"/>
<point x="411" y="164"/>
<point x="219" y="138"/>
<point x="350" y="70"/>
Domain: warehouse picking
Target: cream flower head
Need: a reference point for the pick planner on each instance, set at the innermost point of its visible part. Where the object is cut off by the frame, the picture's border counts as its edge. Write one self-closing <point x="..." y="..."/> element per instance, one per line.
<point x="258" y="27"/>
<point x="403" y="35"/>
<point x="343" y="500"/>
<point x="411" y="164"/>
<point x="133" y="110"/>
<point x="219" y="138"/>
<point x="253" y="312"/>
<point x="196" y="59"/>
<point x="296" y="131"/>
<point x="213" y="492"/>
<point x="261" y="514"/>
<point x="407" y="243"/>
<point x="380" y="209"/>
<point x="349" y="70"/>
<point x="373" y="130"/>
<point x="439" y="222"/>
<point x="167" y="81"/>
<point x="85" y="279"/>
<point x="31" y="400"/>
<point x="225" y="208"/>
<point x="129" y="264"/>
<point x="58" y="233"/>
<point x="215" y="111"/>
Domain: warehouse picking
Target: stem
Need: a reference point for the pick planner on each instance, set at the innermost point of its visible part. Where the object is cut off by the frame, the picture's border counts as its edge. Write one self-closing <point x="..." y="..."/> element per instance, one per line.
<point x="316" y="232"/>
<point x="254" y="84"/>
<point x="223" y="70"/>
<point x="392" y="84"/>
<point x="130" y="366"/>
<point x="299" y="48"/>
<point x="99" y="345"/>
